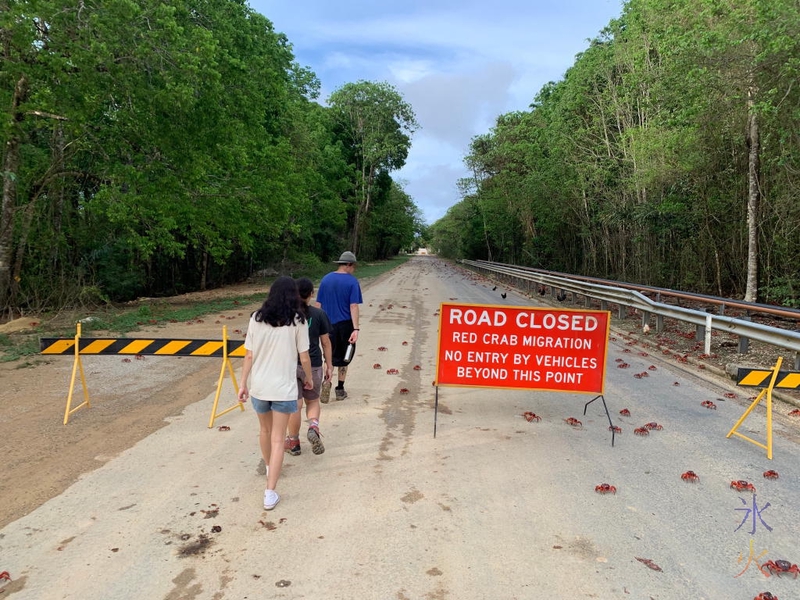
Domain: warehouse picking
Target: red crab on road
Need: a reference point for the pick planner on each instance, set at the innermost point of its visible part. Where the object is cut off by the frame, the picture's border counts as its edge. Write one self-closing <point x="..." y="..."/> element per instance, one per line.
<point x="641" y="431"/>
<point x="729" y="395"/>
<point x="741" y="486"/>
<point x="615" y="429"/>
<point x="417" y="368"/>
<point x="795" y="413"/>
<point x="574" y="422"/>
<point x="531" y="416"/>
<point x="403" y="390"/>
<point x="382" y="348"/>
<point x="605" y="488"/>
<point x="377" y="366"/>
<point x="5" y="575"/>
<point x="765" y="596"/>
<point x="653" y="425"/>
<point x="771" y="474"/>
<point x="690" y="476"/>
<point x="405" y="343"/>
<point x="708" y="404"/>
<point x="779" y="567"/>
<point x="392" y="372"/>
<point x="625" y="412"/>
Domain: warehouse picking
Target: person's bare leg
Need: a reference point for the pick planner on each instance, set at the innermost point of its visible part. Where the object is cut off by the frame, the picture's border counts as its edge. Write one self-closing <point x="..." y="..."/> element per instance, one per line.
<point x="341" y="394"/>
<point x="264" y="433"/>
<point x="279" y="424"/>
<point x="312" y="412"/>
<point x="293" y="428"/>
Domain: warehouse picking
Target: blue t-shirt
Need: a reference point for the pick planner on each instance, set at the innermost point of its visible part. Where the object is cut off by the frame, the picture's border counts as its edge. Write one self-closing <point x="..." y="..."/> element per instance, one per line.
<point x="337" y="291"/>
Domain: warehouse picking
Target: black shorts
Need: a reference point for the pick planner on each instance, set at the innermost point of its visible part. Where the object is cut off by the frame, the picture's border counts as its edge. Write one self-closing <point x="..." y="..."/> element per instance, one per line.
<point x="340" y="338"/>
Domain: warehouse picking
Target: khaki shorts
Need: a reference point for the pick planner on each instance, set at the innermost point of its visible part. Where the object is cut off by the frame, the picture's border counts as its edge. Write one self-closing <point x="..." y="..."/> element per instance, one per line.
<point x="316" y="377"/>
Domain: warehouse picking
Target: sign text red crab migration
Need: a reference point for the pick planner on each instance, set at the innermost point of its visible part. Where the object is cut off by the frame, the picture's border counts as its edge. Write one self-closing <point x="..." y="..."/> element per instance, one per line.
<point x="522" y="348"/>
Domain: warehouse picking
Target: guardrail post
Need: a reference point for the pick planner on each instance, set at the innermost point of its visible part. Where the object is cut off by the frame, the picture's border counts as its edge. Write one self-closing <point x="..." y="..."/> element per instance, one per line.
<point x="797" y="361"/>
<point x="603" y="304"/>
<point x="744" y="342"/>
<point x="700" y="330"/>
<point x="660" y="323"/>
<point x="645" y="318"/>
<point x="621" y="311"/>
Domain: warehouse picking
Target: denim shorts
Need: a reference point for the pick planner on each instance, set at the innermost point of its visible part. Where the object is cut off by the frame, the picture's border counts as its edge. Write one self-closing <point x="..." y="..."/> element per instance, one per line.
<point x="286" y="407"/>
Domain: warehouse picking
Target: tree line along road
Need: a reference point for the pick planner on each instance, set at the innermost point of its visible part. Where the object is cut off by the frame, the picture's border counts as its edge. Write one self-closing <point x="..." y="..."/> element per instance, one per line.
<point x="493" y="507"/>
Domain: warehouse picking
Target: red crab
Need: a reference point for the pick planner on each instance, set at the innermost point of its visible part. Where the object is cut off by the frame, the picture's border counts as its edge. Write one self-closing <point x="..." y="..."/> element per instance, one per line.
<point x="625" y="412"/>
<point x="126" y="360"/>
<point x="741" y="485"/>
<point x="623" y="365"/>
<point x="795" y="413"/>
<point x="653" y="425"/>
<point x="5" y="575"/>
<point x="224" y="428"/>
<point x="779" y="567"/>
<point x="765" y="596"/>
<point x="690" y="476"/>
<point x="139" y="357"/>
<point x="641" y="431"/>
<point x="771" y="474"/>
<point x="652" y="368"/>
<point x="615" y="429"/>
<point x="403" y="390"/>
<point x="574" y="422"/>
<point x="392" y="372"/>
<point x="417" y="368"/>
<point x="377" y="366"/>
<point x="382" y="348"/>
<point x="405" y="343"/>
<point x="531" y="416"/>
<point x="605" y="488"/>
<point x="709" y="404"/>
<point x="729" y="395"/>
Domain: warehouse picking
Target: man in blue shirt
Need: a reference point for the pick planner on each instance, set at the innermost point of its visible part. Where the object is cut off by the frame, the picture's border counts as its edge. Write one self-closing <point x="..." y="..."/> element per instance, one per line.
<point x="339" y="295"/>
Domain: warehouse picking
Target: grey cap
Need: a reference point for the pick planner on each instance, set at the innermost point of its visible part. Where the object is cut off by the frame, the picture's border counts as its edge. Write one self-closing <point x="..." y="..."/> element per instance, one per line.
<point x="346" y="258"/>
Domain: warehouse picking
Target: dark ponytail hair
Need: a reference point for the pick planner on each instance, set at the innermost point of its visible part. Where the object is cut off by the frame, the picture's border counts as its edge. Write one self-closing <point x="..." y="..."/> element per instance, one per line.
<point x="282" y="306"/>
<point x="305" y="287"/>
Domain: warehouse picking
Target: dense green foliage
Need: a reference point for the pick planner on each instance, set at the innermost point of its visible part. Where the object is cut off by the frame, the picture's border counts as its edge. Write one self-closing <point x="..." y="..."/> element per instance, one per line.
<point x="640" y="164"/>
<point x="153" y="147"/>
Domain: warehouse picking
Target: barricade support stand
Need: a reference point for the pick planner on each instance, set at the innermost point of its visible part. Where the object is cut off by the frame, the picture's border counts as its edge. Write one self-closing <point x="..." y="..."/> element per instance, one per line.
<point x="767" y="391"/>
<point x="226" y="363"/>
<point x="610" y="424"/>
<point x="78" y="364"/>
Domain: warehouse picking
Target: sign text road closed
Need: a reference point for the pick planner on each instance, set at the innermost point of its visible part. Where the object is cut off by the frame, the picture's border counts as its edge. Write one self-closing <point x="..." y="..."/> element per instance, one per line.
<point x="522" y="348"/>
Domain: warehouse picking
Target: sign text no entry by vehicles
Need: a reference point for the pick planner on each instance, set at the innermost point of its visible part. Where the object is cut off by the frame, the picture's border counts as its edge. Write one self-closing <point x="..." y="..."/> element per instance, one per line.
<point x="522" y="348"/>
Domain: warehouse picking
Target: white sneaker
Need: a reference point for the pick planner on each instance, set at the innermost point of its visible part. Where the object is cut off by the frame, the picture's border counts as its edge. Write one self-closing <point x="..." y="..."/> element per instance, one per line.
<point x="271" y="499"/>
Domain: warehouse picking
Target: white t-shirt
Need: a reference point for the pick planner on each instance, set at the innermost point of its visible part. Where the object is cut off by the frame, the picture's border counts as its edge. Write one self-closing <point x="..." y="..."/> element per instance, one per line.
<point x="275" y="350"/>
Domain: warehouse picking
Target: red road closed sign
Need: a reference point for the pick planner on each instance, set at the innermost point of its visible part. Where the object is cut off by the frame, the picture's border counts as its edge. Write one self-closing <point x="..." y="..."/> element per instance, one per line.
<point x="522" y="348"/>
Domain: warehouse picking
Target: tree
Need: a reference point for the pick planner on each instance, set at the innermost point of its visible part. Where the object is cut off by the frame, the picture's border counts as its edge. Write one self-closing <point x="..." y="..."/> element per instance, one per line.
<point x="377" y="125"/>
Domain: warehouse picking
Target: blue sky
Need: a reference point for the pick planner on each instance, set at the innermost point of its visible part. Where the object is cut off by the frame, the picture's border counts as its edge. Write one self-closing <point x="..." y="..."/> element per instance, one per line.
<point x="460" y="64"/>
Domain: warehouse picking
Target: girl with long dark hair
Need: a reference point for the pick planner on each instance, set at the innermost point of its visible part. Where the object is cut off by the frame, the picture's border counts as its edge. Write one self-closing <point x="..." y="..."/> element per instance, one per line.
<point x="276" y="336"/>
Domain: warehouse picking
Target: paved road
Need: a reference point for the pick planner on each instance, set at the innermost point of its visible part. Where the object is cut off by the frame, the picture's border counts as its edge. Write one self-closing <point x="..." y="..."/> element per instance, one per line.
<point x="493" y="507"/>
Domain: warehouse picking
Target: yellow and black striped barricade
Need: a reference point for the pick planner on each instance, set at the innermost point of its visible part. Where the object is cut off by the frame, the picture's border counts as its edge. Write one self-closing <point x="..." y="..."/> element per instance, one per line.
<point x="80" y="346"/>
<point x="769" y="379"/>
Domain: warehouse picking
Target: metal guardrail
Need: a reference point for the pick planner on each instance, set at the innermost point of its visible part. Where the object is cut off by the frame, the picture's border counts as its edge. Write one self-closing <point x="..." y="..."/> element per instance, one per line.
<point x="704" y="321"/>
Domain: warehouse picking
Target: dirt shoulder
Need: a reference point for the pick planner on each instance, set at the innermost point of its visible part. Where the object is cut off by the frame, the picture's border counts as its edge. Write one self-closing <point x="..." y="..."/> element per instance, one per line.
<point x="129" y="401"/>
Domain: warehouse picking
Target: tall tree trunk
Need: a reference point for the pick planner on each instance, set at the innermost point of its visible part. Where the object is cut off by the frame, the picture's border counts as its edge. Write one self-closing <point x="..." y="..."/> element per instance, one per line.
<point x="10" y="169"/>
<point x="753" y="196"/>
